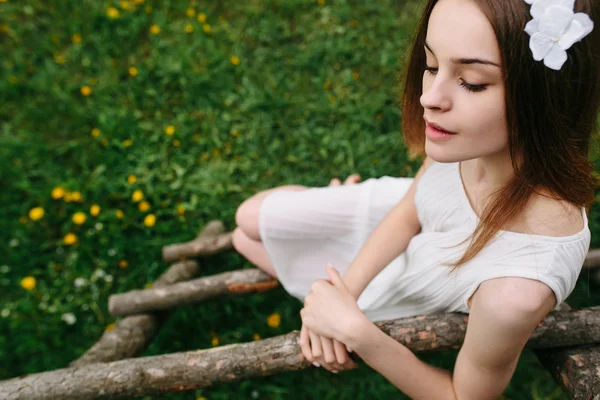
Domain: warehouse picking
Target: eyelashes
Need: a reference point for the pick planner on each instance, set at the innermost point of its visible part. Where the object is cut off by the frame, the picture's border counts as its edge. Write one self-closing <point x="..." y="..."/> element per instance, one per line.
<point x="466" y="85"/>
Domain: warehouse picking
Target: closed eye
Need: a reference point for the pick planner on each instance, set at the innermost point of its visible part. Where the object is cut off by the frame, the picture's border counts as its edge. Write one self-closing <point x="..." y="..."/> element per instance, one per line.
<point x="466" y="85"/>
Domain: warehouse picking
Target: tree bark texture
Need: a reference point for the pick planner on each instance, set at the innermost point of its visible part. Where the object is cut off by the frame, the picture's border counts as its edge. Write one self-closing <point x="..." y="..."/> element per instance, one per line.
<point x="199" y="246"/>
<point x="132" y="335"/>
<point x="203" y="368"/>
<point x="575" y="369"/>
<point x="231" y="283"/>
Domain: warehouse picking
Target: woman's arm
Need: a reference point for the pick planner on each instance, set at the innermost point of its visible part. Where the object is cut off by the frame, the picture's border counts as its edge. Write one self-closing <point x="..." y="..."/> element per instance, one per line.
<point x="498" y="329"/>
<point x="387" y="241"/>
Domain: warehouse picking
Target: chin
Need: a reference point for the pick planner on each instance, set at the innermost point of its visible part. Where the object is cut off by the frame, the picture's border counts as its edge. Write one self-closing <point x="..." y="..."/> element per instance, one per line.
<point x="441" y="155"/>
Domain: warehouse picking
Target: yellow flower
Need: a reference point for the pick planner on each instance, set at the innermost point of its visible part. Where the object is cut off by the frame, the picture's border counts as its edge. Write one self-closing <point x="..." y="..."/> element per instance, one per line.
<point x="125" y="5"/>
<point x="214" y="342"/>
<point x="133" y="71"/>
<point x="119" y="214"/>
<point x="59" y="59"/>
<point x="76" y="196"/>
<point x="144" y="206"/>
<point x="131" y="179"/>
<point x="76" y="38"/>
<point x="57" y="192"/>
<point x="127" y="142"/>
<point x="148" y="285"/>
<point x="256" y="337"/>
<point x="112" y="12"/>
<point x="95" y="210"/>
<point x="189" y="28"/>
<point x="95" y="132"/>
<point x="86" y="90"/>
<point x="137" y="2"/>
<point x="274" y="320"/>
<point x="180" y="210"/>
<point x="137" y="195"/>
<point x="176" y="143"/>
<point x="321" y="2"/>
<point x="123" y="264"/>
<point x="170" y="130"/>
<point x="150" y="220"/>
<point x="70" y="239"/>
<point x="206" y="28"/>
<point x="155" y="29"/>
<point x="190" y="12"/>
<point x="28" y="283"/>
<point x="109" y="327"/>
<point x="234" y="60"/>
<point x="79" y="218"/>
<point x="36" y="213"/>
<point x="201" y="398"/>
<point x="201" y="17"/>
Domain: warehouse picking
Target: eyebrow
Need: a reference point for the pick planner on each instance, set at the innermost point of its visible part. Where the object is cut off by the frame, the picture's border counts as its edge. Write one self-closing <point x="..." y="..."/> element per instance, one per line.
<point x="467" y="60"/>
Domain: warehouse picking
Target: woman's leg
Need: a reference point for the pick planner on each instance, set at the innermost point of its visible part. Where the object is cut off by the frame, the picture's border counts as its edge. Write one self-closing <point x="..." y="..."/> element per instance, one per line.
<point x="246" y="237"/>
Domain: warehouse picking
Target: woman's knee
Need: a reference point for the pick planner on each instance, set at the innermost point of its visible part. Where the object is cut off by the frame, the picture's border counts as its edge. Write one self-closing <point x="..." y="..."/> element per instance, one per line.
<point x="247" y="214"/>
<point x="239" y="239"/>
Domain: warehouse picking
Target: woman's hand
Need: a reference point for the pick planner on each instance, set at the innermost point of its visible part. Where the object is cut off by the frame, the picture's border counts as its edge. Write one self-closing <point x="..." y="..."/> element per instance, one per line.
<point x="330" y="315"/>
<point x="328" y="353"/>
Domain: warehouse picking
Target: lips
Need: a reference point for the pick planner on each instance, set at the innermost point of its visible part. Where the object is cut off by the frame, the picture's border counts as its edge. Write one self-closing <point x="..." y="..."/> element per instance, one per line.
<point x="438" y="127"/>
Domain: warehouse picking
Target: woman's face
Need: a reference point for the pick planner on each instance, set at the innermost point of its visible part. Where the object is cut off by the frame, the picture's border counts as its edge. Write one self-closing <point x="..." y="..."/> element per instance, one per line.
<point x="463" y="90"/>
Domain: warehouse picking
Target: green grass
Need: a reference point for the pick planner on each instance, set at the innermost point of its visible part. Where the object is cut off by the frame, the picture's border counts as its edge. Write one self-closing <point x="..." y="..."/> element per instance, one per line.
<point x="314" y="96"/>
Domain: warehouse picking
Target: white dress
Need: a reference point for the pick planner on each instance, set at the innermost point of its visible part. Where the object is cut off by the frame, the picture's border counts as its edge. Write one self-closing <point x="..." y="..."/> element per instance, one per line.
<point x="302" y="231"/>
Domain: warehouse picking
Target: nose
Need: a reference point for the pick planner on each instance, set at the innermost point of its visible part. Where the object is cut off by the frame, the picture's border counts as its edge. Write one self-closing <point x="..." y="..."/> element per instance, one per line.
<point x="435" y="94"/>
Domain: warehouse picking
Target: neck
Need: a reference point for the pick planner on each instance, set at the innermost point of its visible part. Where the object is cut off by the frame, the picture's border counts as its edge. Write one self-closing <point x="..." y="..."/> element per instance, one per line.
<point x="488" y="174"/>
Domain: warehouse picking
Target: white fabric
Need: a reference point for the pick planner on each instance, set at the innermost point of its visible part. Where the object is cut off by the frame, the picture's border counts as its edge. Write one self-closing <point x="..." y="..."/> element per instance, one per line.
<point x="304" y="230"/>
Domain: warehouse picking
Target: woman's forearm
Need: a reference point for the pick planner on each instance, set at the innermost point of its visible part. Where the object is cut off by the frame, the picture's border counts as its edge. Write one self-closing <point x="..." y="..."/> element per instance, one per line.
<point x="388" y="241"/>
<point x="399" y="365"/>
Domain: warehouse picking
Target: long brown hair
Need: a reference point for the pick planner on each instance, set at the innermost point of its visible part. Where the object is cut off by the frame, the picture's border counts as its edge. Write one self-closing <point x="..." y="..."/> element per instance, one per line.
<point x="551" y="115"/>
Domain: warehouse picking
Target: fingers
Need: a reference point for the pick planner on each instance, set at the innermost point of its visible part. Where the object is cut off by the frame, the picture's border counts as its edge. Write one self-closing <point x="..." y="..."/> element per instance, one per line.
<point x="324" y="352"/>
<point x="315" y="344"/>
<point x="342" y="357"/>
<point x="329" y="360"/>
<point x="305" y="344"/>
<point x="354" y="178"/>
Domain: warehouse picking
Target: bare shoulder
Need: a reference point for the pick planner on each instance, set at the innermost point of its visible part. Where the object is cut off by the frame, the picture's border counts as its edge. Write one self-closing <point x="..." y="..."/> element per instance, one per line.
<point x="546" y="216"/>
<point x="508" y="293"/>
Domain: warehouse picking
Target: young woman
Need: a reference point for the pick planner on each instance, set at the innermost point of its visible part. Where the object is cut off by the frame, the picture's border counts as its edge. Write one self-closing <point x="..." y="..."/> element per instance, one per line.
<point x="501" y="98"/>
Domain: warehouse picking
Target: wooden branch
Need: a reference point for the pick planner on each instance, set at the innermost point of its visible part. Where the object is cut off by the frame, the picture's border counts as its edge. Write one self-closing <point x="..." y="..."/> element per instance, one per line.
<point x="148" y="376"/>
<point x="131" y="335"/>
<point x="592" y="260"/>
<point x="226" y="284"/>
<point x="576" y="369"/>
<point x="197" y="247"/>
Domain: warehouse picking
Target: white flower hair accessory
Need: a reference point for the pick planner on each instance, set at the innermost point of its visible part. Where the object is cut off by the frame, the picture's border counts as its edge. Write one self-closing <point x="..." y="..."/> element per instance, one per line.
<point x="553" y="30"/>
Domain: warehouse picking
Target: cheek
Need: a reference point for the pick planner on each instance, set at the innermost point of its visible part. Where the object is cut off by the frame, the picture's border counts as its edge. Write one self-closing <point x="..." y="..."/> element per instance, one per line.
<point x="489" y="112"/>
